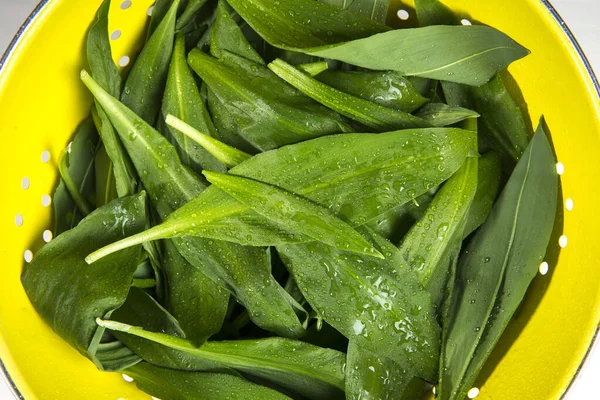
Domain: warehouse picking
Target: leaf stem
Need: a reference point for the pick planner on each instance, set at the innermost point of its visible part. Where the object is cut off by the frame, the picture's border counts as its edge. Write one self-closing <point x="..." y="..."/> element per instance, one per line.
<point x="229" y="156"/>
<point x="155" y="233"/>
<point x="63" y="169"/>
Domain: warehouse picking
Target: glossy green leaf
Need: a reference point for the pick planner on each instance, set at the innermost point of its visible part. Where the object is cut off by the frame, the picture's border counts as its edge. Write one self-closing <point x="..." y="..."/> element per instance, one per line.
<point x="502" y="122"/>
<point x="69" y="294"/>
<point x="370" y="300"/>
<point x="269" y="113"/>
<point x="225" y="154"/>
<point x="433" y="12"/>
<point x="144" y="87"/>
<point x="293" y="211"/>
<point x="377" y="10"/>
<point x="199" y="311"/>
<point x="465" y="54"/>
<point x="80" y="172"/>
<point x="171" y="185"/>
<point x="182" y="99"/>
<point x="372" y="115"/>
<point x="189" y="13"/>
<point x="357" y="176"/>
<point x="106" y="73"/>
<point x="106" y="190"/>
<point x="396" y="223"/>
<point x="428" y="246"/>
<point x="296" y="24"/>
<point x="227" y="35"/>
<point x="489" y="174"/>
<point x="498" y="265"/>
<point x="440" y="114"/>
<point x="309" y="370"/>
<point x="388" y="89"/>
<point x="181" y="385"/>
<point x="227" y="128"/>
<point x="371" y="377"/>
<point x="159" y="11"/>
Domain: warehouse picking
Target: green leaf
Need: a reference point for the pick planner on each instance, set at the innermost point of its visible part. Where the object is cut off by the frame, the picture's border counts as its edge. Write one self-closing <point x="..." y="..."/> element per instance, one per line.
<point x="377" y="10"/>
<point x="465" y="54"/>
<point x="293" y="211"/>
<point x="388" y="89"/>
<point x="189" y="13"/>
<point x="171" y="185"/>
<point x="182" y="99"/>
<point x="145" y="85"/>
<point x="357" y="176"/>
<point x="502" y="122"/>
<point x="269" y="113"/>
<point x="489" y="174"/>
<point x="431" y="242"/>
<point x="301" y="367"/>
<point x="369" y="301"/>
<point x="227" y="128"/>
<point x="227" y="155"/>
<point x="372" y="115"/>
<point x="314" y="68"/>
<point x="371" y="377"/>
<point x="296" y="24"/>
<point x="106" y="73"/>
<point x="193" y="298"/>
<point x="159" y="11"/>
<point x="98" y="52"/>
<point x="180" y="385"/>
<point x="498" y="265"/>
<point x="81" y="173"/>
<point x="440" y="114"/>
<point x="227" y="35"/>
<point x="106" y="190"/>
<point x="433" y="12"/>
<point x="69" y="294"/>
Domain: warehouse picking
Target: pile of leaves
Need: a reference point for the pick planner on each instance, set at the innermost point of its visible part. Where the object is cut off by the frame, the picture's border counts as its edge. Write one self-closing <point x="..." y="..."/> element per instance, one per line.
<point x="289" y="199"/>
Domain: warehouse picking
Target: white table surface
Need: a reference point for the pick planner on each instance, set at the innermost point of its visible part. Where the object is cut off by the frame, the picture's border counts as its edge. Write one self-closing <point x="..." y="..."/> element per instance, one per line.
<point x="581" y="16"/>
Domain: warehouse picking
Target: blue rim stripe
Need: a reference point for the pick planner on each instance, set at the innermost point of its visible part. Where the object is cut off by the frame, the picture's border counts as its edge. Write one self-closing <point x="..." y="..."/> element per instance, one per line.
<point x="4" y="373"/>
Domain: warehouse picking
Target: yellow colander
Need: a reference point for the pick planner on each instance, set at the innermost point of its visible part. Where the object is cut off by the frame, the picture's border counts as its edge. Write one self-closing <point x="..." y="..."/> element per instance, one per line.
<point x="42" y="101"/>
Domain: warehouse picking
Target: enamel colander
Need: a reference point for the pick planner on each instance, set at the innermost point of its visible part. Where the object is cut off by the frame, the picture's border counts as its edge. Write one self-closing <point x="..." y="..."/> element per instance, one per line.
<point x="42" y="101"/>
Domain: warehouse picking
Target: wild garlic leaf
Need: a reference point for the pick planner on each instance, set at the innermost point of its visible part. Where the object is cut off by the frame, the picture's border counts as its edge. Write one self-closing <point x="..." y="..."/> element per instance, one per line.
<point x="465" y="54"/>
<point x="81" y="166"/>
<point x="498" y="265"/>
<point x="429" y="245"/>
<point x="440" y="114"/>
<point x="189" y="13"/>
<point x="314" y="68"/>
<point x="308" y="370"/>
<point x="296" y="24"/>
<point x="182" y="99"/>
<point x="370" y="300"/>
<point x="159" y="11"/>
<point x="171" y="185"/>
<point x="227" y="35"/>
<point x="268" y="112"/>
<point x="187" y="296"/>
<point x="372" y="115"/>
<point x="106" y="73"/>
<point x="170" y="384"/>
<point x="140" y="309"/>
<point x="145" y="84"/>
<point x="489" y="174"/>
<point x="372" y="377"/>
<point x="388" y="89"/>
<point x="357" y="176"/>
<point x="293" y="211"/>
<point x="502" y="122"/>
<point x="433" y="12"/>
<point x="377" y="10"/>
<point x="106" y="190"/>
<point x="69" y="294"/>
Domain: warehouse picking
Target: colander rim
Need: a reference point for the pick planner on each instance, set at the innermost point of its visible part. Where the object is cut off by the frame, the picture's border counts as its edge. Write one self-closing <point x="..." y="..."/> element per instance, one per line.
<point x="5" y="375"/>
